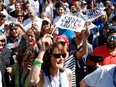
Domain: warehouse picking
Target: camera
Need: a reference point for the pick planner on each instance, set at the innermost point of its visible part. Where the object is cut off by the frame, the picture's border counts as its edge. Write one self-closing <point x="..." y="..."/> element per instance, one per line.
<point x="12" y="26"/>
<point x="96" y="58"/>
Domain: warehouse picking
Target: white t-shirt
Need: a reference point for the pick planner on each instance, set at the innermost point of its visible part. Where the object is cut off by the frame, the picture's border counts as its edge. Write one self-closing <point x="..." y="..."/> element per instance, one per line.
<point x="49" y="11"/>
<point x="102" y="77"/>
<point x="28" y="23"/>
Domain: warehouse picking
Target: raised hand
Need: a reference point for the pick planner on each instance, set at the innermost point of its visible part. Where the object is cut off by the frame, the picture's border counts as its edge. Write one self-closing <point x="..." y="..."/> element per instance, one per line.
<point x="85" y="34"/>
<point x="46" y="41"/>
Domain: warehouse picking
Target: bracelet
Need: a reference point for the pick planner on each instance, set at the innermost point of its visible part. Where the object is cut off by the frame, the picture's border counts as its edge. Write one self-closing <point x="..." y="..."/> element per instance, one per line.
<point x="84" y="40"/>
<point x="37" y="63"/>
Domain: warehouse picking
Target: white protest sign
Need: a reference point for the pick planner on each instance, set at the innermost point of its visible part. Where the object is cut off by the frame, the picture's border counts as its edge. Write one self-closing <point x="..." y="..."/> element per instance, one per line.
<point x="92" y="14"/>
<point x="8" y="17"/>
<point x="71" y="23"/>
<point x="100" y="6"/>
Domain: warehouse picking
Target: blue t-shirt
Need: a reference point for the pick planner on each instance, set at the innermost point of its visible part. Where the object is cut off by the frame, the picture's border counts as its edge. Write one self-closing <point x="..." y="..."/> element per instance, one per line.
<point x="102" y="77"/>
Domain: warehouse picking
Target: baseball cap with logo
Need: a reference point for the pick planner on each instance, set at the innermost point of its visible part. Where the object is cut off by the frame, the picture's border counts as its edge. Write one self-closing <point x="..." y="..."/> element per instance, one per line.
<point x="12" y="26"/>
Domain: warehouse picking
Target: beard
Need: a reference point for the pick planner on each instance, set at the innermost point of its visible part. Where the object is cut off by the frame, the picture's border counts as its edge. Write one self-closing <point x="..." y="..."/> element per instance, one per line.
<point x="111" y="44"/>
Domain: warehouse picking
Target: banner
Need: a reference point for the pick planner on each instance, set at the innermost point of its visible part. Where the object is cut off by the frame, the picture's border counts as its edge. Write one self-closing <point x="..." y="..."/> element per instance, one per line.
<point x="100" y="6"/>
<point x="92" y="14"/>
<point x="71" y="23"/>
<point x="8" y="17"/>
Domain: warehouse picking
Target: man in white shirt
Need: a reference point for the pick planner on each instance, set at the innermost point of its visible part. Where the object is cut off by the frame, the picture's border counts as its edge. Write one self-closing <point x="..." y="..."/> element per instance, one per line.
<point x="32" y="19"/>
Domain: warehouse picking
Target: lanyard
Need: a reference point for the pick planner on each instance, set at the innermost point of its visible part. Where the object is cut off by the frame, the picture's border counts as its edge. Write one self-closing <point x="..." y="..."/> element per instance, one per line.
<point x="60" y="80"/>
<point x="20" y="76"/>
<point x="15" y="44"/>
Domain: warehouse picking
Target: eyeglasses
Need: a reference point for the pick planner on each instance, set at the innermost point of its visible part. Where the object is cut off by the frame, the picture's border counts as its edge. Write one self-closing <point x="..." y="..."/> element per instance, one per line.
<point x="112" y="37"/>
<point x="3" y="40"/>
<point x="59" y="55"/>
<point x="19" y="15"/>
<point x="62" y="43"/>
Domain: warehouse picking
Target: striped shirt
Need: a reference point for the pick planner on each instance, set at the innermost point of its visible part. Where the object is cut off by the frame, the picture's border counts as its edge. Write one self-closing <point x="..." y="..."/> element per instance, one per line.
<point x="71" y="61"/>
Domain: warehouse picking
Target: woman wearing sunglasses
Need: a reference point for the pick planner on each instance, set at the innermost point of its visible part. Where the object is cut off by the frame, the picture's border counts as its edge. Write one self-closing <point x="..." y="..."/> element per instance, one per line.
<point x="64" y="41"/>
<point x="52" y="72"/>
<point x="46" y="26"/>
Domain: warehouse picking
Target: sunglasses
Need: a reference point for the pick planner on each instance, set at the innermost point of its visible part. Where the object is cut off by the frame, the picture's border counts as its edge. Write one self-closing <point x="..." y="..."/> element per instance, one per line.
<point x="3" y="40"/>
<point x="112" y="37"/>
<point x="62" y="43"/>
<point x="56" y="56"/>
<point x="84" y="3"/>
<point x="19" y="15"/>
<point x="13" y="29"/>
<point x="2" y="16"/>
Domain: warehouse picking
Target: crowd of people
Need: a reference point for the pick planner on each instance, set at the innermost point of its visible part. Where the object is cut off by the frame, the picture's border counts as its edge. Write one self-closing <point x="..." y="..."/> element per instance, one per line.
<point x="34" y="52"/>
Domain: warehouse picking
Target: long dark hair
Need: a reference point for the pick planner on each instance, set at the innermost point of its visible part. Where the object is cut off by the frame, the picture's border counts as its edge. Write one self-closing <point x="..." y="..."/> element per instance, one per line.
<point x="47" y="57"/>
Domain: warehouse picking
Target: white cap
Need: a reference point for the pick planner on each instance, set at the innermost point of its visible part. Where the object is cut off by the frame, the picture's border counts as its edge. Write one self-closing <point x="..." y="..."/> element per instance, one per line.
<point x="7" y="22"/>
<point x="47" y="19"/>
<point x="84" y="2"/>
<point x="66" y="4"/>
<point x="3" y="13"/>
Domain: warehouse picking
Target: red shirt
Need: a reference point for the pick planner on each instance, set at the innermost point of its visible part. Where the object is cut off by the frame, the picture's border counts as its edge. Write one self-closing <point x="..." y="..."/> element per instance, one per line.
<point x="72" y="1"/>
<point x="104" y="52"/>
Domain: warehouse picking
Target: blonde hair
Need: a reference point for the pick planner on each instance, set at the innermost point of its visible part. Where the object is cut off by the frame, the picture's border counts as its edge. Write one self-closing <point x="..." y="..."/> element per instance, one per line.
<point x="43" y="14"/>
<point x="2" y="36"/>
<point x="35" y="32"/>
